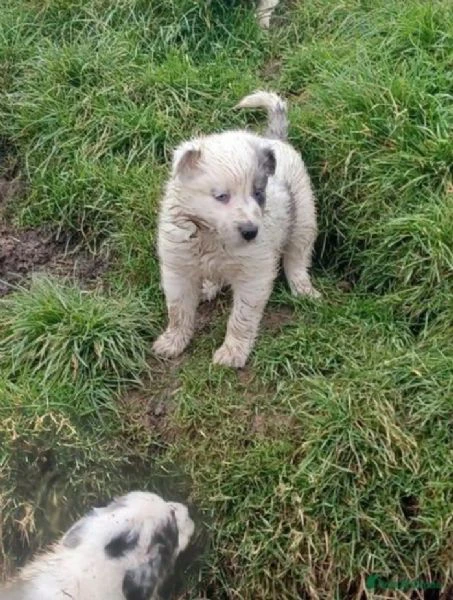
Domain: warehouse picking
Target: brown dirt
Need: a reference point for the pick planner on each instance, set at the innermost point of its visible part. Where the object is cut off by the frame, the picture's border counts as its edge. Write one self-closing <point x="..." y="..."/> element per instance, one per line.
<point x="149" y="410"/>
<point x="24" y="252"/>
<point x="271" y="69"/>
<point x="10" y="189"/>
<point x="275" y="318"/>
<point x="270" y="425"/>
<point x="205" y="315"/>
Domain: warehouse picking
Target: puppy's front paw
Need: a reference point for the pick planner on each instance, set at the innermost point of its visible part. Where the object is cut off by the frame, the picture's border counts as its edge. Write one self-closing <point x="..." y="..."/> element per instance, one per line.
<point x="171" y="343"/>
<point x="228" y="356"/>
<point x="309" y="290"/>
<point x="303" y="287"/>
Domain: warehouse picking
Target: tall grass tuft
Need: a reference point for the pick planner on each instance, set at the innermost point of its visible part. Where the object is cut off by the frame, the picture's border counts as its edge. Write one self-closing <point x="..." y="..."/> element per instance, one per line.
<point x="64" y="334"/>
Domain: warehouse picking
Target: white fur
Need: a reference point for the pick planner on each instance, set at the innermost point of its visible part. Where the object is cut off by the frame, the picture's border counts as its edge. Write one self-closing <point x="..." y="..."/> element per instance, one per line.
<point x="78" y="568"/>
<point x="264" y="12"/>
<point x="200" y="247"/>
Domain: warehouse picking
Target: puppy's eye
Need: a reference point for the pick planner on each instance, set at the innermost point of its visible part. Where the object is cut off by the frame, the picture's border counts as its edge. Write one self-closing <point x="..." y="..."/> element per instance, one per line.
<point x="259" y="196"/>
<point x="222" y="197"/>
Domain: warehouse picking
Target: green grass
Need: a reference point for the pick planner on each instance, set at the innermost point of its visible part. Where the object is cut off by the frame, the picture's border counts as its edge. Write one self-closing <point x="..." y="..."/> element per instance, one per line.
<point x="64" y="334"/>
<point x="330" y="457"/>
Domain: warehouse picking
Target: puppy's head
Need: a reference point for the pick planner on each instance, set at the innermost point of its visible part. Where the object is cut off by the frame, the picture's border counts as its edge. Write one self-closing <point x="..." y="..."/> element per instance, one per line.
<point x="140" y="535"/>
<point x="222" y="181"/>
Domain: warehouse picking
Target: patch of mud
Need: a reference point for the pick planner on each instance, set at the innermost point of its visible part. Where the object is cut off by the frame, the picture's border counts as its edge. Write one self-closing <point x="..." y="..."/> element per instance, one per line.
<point x="269" y="425"/>
<point x="271" y="69"/>
<point x="9" y="190"/>
<point x="149" y="410"/>
<point x="345" y="286"/>
<point x="246" y="376"/>
<point x="275" y="318"/>
<point x="24" y="252"/>
<point x="206" y="312"/>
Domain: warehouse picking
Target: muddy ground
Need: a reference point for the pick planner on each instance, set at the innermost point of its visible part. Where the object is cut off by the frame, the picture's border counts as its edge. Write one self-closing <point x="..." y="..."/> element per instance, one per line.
<point x="24" y="252"/>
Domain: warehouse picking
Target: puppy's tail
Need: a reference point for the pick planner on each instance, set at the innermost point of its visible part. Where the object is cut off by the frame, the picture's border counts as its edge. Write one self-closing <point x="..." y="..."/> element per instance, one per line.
<point x="277" y="112"/>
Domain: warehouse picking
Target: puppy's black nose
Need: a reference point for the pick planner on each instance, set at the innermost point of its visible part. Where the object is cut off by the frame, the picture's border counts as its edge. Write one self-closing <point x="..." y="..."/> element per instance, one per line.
<point x="249" y="231"/>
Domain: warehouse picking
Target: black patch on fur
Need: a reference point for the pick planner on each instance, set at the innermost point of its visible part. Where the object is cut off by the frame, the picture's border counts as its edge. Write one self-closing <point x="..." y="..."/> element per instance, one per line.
<point x="122" y="543"/>
<point x="266" y="168"/>
<point x="267" y="162"/>
<point x="140" y="583"/>
<point x="259" y="188"/>
<point x="259" y="194"/>
<point x="166" y="539"/>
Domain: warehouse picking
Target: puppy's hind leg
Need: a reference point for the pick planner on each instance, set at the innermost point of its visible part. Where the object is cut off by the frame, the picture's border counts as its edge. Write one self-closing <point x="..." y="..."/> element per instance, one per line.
<point x="182" y="292"/>
<point x="302" y="216"/>
<point x="297" y="261"/>
<point x="264" y="12"/>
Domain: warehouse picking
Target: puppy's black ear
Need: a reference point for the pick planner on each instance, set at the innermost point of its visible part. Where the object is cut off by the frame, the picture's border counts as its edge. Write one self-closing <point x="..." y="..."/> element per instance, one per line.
<point x="140" y="583"/>
<point x="164" y="542"/>
<point x="122" y="543"/>
<point x="186" y="159"/>
<point x="267" y="162"/>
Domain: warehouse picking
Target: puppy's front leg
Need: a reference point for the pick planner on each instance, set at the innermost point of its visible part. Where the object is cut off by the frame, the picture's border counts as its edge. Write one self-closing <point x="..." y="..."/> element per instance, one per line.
<point x="249" y="301"/>
<point x="182" y="294"/>
<point x="264" y="12"/>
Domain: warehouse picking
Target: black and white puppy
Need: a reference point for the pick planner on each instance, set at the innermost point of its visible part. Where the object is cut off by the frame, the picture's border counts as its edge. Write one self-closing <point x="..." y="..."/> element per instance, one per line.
<point x="124" y="551"/>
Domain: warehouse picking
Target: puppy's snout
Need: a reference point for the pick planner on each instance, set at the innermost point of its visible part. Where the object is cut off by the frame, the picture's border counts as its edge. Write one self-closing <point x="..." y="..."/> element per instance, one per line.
<point x="248" y="230"/>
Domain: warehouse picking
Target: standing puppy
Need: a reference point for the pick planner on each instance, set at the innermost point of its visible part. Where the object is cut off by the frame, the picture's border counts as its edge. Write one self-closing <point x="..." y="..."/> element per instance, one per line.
<point x="235" y="204"/>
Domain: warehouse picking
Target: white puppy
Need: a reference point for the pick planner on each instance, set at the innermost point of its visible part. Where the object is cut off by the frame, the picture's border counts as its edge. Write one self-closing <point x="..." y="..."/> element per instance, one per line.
<point x="264" y="12"/>
<point x="124" y="551"/>
<point x="234" y="205"/>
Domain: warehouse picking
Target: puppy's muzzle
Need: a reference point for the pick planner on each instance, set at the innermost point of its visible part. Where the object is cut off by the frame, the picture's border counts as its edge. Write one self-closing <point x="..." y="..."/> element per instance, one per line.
<point x="249" y="231"/>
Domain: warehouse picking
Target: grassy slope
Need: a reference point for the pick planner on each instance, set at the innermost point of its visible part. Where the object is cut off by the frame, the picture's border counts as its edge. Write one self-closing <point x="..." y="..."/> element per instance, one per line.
<point x="327" y="459"/>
